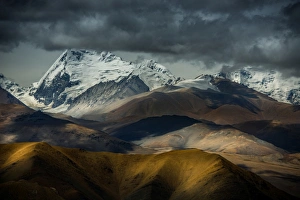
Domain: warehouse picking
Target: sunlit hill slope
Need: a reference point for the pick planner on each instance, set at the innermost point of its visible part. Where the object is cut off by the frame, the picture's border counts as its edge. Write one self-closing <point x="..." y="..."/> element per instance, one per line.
<point x="28" y="169"/>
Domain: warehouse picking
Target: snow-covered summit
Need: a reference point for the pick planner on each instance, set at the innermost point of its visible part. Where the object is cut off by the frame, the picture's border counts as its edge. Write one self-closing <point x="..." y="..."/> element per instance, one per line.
<point x="154" y="75"/>
<point x="86" y="67"/>
<point x="76" y="73"/>
<point x="269" y="82"/>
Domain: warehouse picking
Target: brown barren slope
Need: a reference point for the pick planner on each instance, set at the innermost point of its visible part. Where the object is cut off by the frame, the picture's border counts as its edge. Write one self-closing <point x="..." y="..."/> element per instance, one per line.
<point x="219" y="107"/>
<point x="21" y="124"/>
<point x="77" y="174"/>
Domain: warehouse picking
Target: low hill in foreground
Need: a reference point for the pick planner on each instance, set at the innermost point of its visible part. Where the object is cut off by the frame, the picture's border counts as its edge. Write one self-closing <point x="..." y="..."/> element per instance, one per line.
<point x="28" y="170"/>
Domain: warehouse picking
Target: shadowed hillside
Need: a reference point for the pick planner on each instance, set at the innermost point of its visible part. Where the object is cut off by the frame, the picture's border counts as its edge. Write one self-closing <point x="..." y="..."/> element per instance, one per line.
<point x="77" y="174"/>
<point x="152" y="127"/>
<point x="235" y="105"/>
<point x="21" y="124"/>
<point x="282" y="135"/>
<point x="178" y="132"/>
<point x="7" y="98"/>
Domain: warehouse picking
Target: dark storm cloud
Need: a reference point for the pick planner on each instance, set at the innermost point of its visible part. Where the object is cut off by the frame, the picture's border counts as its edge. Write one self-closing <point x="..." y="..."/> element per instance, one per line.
<point x="292" y="11"/>
<point x="230" y="32"/>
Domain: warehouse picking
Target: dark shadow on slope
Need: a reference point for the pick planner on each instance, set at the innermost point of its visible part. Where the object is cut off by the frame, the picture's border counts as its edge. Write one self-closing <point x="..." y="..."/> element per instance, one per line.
<point x="153" y="126"/>
<point x="38" y="126"/>
<point x="215" y="99"/>
<point x="157" y="189"/>
<point x="227" y="86"/>
<point x="38" y="118"/>
<point x="285" y="136"/>
<point x="244" y="167"/>
<point x="292" y="178"/>
<point x="296" y="108"/>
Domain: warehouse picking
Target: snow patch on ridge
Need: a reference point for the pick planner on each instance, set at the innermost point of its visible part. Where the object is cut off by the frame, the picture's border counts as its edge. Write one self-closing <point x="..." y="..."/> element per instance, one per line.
<point x="201" y="82"/>
<point x="161" y="76"/>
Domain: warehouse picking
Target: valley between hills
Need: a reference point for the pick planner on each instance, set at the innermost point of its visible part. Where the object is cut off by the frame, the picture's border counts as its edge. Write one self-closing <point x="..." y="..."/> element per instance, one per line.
<point x="98" y="127"/>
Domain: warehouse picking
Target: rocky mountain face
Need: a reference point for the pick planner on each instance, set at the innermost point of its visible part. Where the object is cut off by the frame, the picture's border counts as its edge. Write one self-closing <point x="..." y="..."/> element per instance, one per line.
<point x="105" y="93"/>
<point x="271" y="83"/>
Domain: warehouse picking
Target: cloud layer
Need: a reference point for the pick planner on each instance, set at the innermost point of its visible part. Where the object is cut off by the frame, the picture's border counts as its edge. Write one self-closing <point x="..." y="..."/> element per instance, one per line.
<point x="231" y="32"/>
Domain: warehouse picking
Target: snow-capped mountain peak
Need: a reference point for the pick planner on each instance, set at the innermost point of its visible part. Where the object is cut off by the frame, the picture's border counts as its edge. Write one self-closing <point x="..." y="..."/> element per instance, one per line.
<point x="269" y="82"/>
<point x="76" y="73"/>
<point x="10" y="86"/>
<point x="85" y="66"/>
<point x="154" y="74"/>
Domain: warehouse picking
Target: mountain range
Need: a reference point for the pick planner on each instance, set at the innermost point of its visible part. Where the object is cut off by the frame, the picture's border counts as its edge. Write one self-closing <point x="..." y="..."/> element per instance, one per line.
<point x="84" y="79"/>
<point x="80" y="79"/>
<point x="98" y="102"/>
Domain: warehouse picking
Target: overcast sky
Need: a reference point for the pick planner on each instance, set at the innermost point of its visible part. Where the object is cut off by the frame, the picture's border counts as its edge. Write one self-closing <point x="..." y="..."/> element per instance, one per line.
<point x="190" y="37"/>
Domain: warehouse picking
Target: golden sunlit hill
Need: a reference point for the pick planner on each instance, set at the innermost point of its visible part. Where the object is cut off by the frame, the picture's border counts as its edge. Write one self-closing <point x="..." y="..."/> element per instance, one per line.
<point x="32" y="170"/>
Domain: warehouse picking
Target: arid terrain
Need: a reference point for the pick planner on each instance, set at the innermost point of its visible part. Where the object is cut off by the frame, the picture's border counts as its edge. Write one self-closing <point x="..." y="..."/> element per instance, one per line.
<point x="35" y="169"/>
